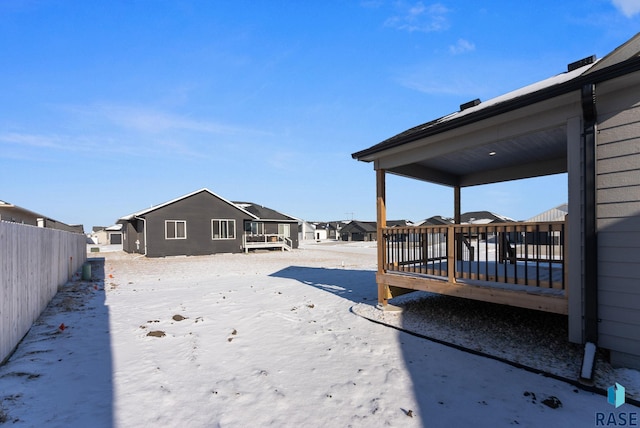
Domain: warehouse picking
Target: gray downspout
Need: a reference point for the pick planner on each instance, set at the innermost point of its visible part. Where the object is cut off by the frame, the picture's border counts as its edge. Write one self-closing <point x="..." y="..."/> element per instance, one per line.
<point x="590" y="254"/>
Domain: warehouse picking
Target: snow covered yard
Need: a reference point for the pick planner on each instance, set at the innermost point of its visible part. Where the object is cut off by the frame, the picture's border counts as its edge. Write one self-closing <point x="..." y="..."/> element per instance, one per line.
<point x="264" y="339"/>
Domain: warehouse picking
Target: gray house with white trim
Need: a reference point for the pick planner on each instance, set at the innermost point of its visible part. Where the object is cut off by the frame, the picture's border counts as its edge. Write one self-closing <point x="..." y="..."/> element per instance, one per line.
<point x="202" y="223"/>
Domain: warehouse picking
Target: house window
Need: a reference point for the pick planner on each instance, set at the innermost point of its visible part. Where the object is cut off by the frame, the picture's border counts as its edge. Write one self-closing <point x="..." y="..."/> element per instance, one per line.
<point x="223" y="229"/>
<point x="284" y="229"/>
<point x="255" y="228"/>
<point x="175" y="229"/>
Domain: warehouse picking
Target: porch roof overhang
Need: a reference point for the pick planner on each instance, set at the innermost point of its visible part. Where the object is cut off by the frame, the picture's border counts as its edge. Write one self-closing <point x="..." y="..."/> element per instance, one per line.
<point x="521" y="134"/>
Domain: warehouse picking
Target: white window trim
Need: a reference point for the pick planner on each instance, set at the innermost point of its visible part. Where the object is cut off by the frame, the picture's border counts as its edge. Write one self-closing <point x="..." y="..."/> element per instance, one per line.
<point x="260" y="226"/>
<point x="175" y="229"/>
<point x="229" y="221"/>
<point x="284" y="226"/>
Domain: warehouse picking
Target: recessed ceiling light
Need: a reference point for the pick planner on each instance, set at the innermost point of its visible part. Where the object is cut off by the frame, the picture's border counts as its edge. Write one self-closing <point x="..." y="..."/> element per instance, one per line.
<point x="492" y="153"/>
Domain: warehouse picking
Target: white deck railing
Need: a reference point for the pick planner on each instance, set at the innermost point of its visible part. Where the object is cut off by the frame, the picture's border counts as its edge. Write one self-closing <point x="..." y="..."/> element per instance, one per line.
<point x="270" y="240"/>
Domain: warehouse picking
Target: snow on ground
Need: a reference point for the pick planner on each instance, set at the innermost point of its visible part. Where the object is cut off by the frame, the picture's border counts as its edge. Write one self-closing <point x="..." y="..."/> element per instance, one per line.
<point x="264" y="339"/>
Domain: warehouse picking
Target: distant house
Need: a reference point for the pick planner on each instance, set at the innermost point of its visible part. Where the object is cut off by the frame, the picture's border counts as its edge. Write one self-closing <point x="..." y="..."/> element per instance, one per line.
<point x="359" y="231"/>
<point x="554" y="214"/>
<point x="399" y="223"/>
<point x="319" y="231"/>
<point x="435" y="221"/>
<point x="328" y="230"/>
<point x="15" y="214"/>
<point x="306" y="231"/>
<point x="98" y="235"/>
<point x="366" y="230"/>
<point x="114" y="234"/>
<point x="471" y="217"/>
<point x="483" y="217"/>
<point x="111" y="235"/>
<point x="543" y="236"/>
<point x="202" y="223"/>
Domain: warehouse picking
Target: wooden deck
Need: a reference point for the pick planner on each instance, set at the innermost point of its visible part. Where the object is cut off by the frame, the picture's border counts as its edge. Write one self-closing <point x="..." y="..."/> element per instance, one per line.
<point x="517" y="264"/>
<point x="266" y="241"/>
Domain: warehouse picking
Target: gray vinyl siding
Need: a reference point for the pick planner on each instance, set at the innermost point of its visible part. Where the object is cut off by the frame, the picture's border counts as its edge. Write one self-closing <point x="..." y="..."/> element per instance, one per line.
<point x="618" y="221"/>
<point x="295" y="239"/>
<point x="132" y="232"/>
<point x="197" y="211"/>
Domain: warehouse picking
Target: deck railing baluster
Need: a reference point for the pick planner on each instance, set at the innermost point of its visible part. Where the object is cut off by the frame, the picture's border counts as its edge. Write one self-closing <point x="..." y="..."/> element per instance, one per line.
<point x="562" y="241"/>
<point x="538" y="248"/>
<point x="526" y="256"/>
<point x="486" y="253"/>
<point x="550" y="254"/>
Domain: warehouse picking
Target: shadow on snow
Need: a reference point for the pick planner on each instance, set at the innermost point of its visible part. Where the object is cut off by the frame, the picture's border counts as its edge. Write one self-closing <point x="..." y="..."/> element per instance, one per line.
<point x="77" y="315"/>
<point x="355" y="285"/>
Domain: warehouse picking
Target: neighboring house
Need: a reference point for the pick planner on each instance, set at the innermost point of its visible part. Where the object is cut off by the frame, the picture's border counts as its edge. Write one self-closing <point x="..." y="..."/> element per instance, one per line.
<point x="328" y="230"/>
<point x="306" y="231"/>
<point x="582" y="122"/>
<point x="554" y="214"/>
<point x="202" y="223"/>
<point x="483" y="217"/>
<point x="435" y="221"/>
<point x="111" y="235"/>
<point x="114" y="234"/>
<point x="399" y="223"/>
<point x="542" y="237"/>
<point x="98" y="235"/>
<point x="358" y="231"/>
<point x="319" y="231"/>
<point x="471" y="217"/>
<point x="366" y="230"/>
<point x="15" y="214"/>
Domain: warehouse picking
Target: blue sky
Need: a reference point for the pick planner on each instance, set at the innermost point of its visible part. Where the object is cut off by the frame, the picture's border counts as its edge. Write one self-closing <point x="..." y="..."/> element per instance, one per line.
<point x="107" y="108"/>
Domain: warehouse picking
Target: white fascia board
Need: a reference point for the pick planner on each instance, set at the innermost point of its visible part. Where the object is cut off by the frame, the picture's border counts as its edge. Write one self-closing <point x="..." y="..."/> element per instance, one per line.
<point x="148" y="210"/>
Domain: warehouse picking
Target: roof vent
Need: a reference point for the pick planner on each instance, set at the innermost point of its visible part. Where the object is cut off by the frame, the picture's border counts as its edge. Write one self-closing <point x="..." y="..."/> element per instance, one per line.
<point x="584" y="61"/>
<point x="469" y="104"/>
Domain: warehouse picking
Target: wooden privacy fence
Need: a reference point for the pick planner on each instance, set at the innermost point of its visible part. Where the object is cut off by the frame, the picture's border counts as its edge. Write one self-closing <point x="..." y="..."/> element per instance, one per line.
<point x="34" y="262"/>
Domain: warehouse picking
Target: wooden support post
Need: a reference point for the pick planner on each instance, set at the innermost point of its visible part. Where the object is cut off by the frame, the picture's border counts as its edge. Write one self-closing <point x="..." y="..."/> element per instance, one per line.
<point x="456" y="205"/>
<point x="381" y="214"/>
<point x="456" y="220"/>
<point x="451" y="260"/>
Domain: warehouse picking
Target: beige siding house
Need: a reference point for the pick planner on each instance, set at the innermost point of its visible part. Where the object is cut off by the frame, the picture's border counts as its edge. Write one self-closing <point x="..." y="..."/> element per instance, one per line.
<point x="584" y="122"/>
<point x="618" y="218"/>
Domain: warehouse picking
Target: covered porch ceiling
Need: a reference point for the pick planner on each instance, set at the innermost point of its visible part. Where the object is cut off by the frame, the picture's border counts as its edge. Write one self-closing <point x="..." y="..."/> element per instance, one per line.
<point x="518" y="135"/>
<point x="537" y="153"/>
<point x="521" y="134"/>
